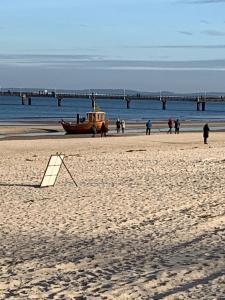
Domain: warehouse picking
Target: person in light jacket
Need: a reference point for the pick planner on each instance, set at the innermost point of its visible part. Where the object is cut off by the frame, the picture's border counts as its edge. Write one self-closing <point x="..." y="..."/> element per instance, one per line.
<point x="123" y="126"/>
<point x="118" y="125"/>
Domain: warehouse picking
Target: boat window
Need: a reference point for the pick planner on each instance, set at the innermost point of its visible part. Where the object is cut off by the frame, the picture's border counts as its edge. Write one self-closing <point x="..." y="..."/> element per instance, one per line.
<point x="92" y="117"/>
<point x="101" y="117"/>
<point x="89" y="117"/>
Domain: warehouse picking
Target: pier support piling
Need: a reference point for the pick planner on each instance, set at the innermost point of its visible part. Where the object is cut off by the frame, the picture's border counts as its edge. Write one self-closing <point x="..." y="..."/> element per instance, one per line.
<point x="164" y="103"/>
<point x="203" y="106"/>
<point x="23" y="99"/>
<point x="201" y="103"/>
<point x="59" y="101"/>
<point x="198" y="104"/>
<point x="128" y="103"/>
<point x="29" y="101"/>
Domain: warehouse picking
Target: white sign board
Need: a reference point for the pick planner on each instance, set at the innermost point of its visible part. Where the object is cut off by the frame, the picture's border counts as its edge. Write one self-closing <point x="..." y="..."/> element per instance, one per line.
<point x="52" y="170"/>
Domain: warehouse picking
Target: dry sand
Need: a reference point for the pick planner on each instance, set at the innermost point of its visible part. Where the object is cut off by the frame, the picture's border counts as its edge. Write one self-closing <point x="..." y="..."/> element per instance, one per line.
<point x="147" y="220"/>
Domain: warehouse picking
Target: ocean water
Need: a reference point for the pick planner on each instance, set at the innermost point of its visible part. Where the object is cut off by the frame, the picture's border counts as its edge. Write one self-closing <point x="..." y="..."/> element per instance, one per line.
<point x="46" y="109"/>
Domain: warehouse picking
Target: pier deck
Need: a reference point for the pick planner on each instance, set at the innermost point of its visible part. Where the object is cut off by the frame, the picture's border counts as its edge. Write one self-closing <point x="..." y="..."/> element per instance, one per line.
<point x="26" y="97"/>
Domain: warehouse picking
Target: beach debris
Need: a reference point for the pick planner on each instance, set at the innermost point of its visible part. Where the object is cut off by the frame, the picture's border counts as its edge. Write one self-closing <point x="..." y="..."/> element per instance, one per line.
<point x="136" y="150"/>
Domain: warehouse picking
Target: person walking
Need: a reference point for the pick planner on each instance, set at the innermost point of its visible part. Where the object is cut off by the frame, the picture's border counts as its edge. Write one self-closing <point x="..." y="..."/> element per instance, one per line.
<point x="206" y="133"/>
<point x="148" y="127"/>
<point x="103" y="129"/>
<point x="118" y="126"/>
<point x="123" y="125"/>
<point x="177" y="126"/>
<point x="170" y="125"/>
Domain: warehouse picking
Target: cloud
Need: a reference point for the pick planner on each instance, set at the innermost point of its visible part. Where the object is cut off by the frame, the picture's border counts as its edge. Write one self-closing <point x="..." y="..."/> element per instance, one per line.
<point x="46" y="59"/>
<point x="185" y="32"/>
<point x="204" y="22"/>
<point x="163" y="65"/>
<point x="204" y="1"/>
<point x="213" y="32"/>
<point x="83" y="25"/>
<point x="219" y="46"/>
<point x="88" y="62"/>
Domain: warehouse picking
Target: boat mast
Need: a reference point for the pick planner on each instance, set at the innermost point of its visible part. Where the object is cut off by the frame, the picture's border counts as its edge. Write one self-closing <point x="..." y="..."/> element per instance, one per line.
<point x="93" y="101"/>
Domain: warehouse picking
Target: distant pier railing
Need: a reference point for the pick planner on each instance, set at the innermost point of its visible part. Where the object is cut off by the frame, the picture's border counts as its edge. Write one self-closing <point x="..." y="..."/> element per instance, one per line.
<point x="26" y="97"/>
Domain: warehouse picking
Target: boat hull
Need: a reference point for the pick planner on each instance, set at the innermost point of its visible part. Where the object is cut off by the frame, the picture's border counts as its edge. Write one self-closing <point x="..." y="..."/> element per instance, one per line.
<point x="82" y="128"/>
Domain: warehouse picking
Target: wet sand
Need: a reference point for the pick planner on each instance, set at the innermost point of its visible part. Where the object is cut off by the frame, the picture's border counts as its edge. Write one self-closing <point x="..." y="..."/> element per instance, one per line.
<point x="147" y="220"/>
<point x="134" y="128"/>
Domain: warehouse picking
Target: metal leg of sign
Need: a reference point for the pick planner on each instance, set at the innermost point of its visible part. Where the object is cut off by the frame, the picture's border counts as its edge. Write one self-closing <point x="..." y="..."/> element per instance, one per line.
<point x="68" y="170"/>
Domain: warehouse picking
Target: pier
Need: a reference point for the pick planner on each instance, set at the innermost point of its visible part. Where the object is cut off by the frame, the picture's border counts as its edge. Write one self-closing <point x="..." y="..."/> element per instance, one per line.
<point x="26" y="98"/>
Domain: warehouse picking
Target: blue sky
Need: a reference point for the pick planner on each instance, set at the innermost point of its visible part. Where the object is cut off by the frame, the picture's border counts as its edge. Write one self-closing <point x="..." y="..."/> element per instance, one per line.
<point x="151" y="45"/>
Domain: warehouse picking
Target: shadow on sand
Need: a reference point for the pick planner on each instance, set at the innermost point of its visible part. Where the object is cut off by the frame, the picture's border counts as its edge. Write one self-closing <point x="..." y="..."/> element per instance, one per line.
<point x="20" y="184"/>
<point x="129" y="262"/>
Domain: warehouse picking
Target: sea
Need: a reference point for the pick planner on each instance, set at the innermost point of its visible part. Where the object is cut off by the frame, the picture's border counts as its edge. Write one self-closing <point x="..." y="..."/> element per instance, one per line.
<point x="46" y="110"/>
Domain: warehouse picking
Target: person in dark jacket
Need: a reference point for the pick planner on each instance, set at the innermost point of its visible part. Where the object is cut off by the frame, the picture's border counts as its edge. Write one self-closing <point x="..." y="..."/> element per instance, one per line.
<point x="148" y="127"/>
<point x="177" y="126"/>
<point x="206" y="133"/>
<point x="170" y="125"/>
<point x="103" y="129"/>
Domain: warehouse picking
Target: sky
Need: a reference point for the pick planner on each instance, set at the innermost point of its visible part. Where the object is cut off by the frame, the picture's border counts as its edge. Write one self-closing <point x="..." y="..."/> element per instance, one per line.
<point x="145" y="45"/>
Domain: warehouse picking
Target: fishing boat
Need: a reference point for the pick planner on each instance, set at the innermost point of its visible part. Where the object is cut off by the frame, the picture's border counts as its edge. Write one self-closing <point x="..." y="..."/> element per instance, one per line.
<point x="84" y="126"/>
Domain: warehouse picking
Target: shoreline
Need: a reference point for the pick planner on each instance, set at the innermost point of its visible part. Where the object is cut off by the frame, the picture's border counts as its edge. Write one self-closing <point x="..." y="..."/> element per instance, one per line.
<point x="34" y="130"/>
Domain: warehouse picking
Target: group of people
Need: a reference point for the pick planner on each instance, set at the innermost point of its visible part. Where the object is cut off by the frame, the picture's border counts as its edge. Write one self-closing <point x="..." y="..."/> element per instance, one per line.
<point x="177" y="129"/>
<point x="103" y="129"/>
<point x="170" y="125"/>
<point x="120" y="125"/>
<point x="176" y="124"/>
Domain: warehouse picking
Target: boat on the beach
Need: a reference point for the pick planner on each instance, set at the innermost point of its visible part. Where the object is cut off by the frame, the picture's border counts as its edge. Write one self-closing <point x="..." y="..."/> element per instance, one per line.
<point x="84" y="126"/>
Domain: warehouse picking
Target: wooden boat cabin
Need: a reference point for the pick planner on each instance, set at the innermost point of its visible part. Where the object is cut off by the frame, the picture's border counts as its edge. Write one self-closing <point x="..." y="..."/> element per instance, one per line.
<point x="93" y="119"/>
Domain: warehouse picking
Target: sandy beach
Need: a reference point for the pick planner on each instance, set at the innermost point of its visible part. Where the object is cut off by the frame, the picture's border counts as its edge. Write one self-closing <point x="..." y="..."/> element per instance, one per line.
<point x="146" y="221"/>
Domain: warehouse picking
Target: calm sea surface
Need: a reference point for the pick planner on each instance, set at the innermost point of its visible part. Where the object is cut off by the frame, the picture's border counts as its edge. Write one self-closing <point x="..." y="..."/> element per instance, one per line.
<point x="43" y="109"/>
